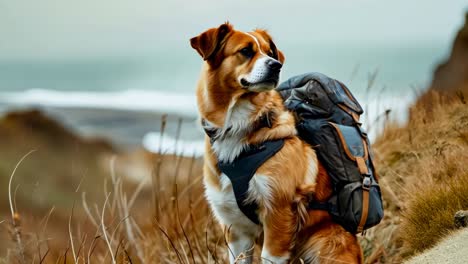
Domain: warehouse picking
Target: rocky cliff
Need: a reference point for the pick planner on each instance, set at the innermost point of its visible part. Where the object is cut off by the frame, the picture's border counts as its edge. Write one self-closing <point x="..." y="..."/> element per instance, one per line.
<point x="452" y="75"/>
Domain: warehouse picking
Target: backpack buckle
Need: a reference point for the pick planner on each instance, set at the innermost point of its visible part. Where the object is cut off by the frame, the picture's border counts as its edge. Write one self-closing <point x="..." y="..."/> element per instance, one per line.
<point x="366" y="183"/>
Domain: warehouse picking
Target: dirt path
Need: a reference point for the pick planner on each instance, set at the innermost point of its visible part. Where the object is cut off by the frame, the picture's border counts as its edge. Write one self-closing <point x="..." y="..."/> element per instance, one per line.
<point x="453" y="250"/>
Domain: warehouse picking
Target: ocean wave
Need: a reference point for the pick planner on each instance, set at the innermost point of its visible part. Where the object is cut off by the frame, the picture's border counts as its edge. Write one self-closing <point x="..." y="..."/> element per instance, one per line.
<point x="168" y="145"/>
<point x="135" y="100"/>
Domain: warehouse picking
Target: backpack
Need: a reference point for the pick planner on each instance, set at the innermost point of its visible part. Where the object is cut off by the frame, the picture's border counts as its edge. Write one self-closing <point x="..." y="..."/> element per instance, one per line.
<point x="327" y="117"/>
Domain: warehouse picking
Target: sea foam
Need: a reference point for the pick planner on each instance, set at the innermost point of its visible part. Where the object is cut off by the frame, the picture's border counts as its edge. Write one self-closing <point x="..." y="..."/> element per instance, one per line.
<point x="135" y="100"/>
<point x="167" y="144"/>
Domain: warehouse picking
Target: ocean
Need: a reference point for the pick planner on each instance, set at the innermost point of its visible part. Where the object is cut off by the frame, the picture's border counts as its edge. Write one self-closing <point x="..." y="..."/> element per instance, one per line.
<point x="125" y="97"/>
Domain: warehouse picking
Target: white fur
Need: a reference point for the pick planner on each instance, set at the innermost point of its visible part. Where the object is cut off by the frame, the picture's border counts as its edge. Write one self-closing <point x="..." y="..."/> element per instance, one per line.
<point x="260" y="190"/>
<point x="259" y="70"/>
<point x="258" y="73"/>
<point x="229" y="143"/>
<point x="228" y="149"/>
<point x="238" y="117"/>
<point x="312" y="171"/>
<point x="267" y="258"/>
<point x="241" y="251"/>
<point x="284" y="117"/>
<point x="225" y="206"/>
<point x="227" y="212"/>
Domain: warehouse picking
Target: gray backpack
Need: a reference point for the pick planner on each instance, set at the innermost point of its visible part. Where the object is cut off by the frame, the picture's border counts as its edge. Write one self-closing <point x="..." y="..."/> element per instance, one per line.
<point x="328" y="119"/>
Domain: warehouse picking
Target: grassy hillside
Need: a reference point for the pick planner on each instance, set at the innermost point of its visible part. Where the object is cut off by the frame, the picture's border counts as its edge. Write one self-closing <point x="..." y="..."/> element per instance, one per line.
<point x="423" y="165"/>
<point x="424" y="174"/>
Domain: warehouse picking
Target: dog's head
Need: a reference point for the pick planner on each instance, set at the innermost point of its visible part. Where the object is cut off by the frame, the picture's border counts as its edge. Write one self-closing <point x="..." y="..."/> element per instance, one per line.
<point x="244" y="61"/>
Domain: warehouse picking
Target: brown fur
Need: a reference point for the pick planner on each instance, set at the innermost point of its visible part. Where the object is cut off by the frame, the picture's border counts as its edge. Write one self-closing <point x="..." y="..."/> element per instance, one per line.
<point x="287" y="225"/>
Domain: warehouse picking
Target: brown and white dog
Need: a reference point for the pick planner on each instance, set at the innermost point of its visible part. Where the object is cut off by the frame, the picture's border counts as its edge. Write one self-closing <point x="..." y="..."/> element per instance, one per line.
<point x="236" y="89"/>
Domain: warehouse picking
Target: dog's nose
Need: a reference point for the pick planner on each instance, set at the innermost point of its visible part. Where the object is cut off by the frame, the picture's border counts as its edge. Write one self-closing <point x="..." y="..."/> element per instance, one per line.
<point x="274" y="64"/>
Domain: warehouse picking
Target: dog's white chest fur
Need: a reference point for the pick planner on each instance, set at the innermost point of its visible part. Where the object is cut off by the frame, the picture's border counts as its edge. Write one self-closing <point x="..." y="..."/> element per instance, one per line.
<point x="236" y="125"/>
<point x="224" y="205"/>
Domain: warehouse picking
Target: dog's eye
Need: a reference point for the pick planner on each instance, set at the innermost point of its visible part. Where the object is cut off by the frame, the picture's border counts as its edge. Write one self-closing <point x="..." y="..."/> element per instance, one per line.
<point x="270" y="53"/>
<point x="247" y="52"/>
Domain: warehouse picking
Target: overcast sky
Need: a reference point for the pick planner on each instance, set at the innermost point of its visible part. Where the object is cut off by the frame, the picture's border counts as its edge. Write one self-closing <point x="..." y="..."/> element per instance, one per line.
<point x="32" y="29"/>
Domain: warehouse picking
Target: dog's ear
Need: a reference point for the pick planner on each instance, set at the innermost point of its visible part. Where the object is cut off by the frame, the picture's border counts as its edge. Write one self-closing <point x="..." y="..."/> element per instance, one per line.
<point x="208" y="43"/>
<point x="276" y="53"/>
<point x="281" y="57"/>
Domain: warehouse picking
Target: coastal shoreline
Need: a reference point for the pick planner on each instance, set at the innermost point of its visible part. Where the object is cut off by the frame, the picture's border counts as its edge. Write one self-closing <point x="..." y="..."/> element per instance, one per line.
<point x="124" y="128"/>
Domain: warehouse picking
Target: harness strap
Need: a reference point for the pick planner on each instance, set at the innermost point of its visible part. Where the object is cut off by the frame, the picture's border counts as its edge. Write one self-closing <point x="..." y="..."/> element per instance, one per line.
<point x="242" y="170"/>
<point x="323" y="206"/>
<point x="265" y="120"/>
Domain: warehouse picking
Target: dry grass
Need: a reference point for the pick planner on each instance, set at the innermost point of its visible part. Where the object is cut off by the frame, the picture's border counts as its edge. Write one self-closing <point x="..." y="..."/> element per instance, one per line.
<point x="123" y="227"/>
<point x="429" y="216"/>
<point x="424" y="176"/>
<point x="101" y="216"/>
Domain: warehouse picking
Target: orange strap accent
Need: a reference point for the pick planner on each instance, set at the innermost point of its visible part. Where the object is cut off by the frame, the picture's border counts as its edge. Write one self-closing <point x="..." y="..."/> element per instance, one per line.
<point x="361" y="163"/>
<point x="345" y="88"/>
<point x="366" y="153"/>
<point x="376" y="175"/>
<point x="353" y="114"/>
<point x="355" y="117"/>
<point x="365" y="210"/>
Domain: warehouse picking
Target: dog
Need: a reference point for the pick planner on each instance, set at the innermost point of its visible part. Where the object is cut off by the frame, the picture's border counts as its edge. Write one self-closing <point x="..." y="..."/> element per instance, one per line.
<point x="236" y="89"/>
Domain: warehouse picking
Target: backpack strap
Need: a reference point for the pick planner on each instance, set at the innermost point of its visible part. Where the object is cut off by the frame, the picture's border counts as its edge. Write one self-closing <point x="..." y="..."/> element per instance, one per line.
<point x="242" y="170"/>
<point x="366" y="183"/>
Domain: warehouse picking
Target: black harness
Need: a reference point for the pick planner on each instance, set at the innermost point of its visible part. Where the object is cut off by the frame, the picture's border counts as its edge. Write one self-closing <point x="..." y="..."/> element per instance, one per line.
<point x="243" y="168"/>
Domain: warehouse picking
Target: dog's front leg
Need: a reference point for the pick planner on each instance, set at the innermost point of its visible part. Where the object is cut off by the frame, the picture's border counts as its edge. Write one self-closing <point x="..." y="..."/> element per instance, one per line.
<point x="241" y="246"/>
<point x="279" y="229"/>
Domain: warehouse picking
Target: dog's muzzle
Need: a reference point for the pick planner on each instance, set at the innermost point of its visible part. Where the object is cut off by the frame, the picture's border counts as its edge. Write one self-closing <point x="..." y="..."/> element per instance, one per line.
<point x="265" y="73"/>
